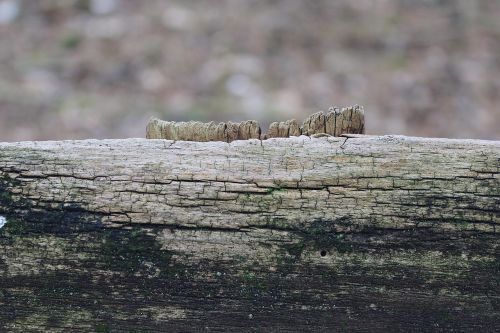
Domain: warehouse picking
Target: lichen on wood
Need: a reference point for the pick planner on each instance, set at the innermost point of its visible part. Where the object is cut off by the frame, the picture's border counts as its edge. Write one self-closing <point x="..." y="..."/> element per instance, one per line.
<point x="338" y="121"/>
<point x="359" y="233"/>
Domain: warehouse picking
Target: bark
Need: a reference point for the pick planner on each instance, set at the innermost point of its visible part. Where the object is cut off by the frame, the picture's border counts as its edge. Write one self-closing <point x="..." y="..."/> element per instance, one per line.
<point x="355" y="233"/>
<point x="338" y="121"/>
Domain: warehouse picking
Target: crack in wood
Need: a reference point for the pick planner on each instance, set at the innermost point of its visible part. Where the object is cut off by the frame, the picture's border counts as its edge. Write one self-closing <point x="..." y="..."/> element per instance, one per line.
<point x="302" y="233"/>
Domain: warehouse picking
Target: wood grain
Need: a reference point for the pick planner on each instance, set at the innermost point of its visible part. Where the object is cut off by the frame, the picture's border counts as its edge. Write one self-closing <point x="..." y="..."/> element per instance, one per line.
<point x="336" y="122"/>
<point x="356" y="233"/>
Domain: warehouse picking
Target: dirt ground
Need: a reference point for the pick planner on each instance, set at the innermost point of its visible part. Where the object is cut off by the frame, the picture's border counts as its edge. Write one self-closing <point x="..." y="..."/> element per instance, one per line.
<point x="102" y="68"/>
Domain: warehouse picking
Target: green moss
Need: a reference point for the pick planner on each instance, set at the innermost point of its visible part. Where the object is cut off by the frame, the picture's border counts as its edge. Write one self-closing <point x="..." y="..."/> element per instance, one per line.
<point x="285" y="262"/>
<point x="248" y="276"/>
<point x="446" y="317"/>
<point x="295" y="249"/>
<point x="127" y="259"/>
<point x="102" y="327"/>
<point x="264" y="205"/>
<point x="253" y="284"/>
<point x="4" y="196"/>
<point x="15" y="227"/>
<point x="276" y="190"/>
<point x="279" y="223"/>
<point x="344" y="324"/>
<point x="3" y="267"/>
<point x="6" y="200"/>
<point x="321" y="235"/>
<point x="133" y="251"/>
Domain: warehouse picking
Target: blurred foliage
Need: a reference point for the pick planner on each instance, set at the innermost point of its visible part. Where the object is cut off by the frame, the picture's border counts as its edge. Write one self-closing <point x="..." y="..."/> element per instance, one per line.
<point x="101" y="68"/>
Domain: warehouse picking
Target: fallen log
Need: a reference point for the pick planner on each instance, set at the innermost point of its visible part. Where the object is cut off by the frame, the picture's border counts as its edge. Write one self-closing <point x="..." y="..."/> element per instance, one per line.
<point x="354" y="233"/>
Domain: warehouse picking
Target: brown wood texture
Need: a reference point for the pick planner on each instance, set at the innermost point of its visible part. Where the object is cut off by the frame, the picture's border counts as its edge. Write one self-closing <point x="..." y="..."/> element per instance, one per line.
<point x="357" y="233"/>
<point x="336" y="122"/>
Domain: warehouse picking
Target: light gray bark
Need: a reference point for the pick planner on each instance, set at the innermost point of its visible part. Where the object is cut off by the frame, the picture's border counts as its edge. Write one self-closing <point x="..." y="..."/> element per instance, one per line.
<point x="301" y="233"/>
<point x="376" y="181"/>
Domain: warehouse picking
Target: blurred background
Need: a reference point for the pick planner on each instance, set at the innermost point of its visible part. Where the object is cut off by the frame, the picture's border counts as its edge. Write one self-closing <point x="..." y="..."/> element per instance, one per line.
<point x="101" y="68"/>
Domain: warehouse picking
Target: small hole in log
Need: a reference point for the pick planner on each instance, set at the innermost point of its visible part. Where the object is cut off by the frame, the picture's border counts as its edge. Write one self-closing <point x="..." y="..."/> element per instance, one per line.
<point x="323" y="253"/>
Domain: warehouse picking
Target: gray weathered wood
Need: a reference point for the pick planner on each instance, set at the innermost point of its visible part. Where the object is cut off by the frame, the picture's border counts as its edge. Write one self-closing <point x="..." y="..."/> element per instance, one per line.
<point x="336" y="122"/>
<point x="354" y="233"/>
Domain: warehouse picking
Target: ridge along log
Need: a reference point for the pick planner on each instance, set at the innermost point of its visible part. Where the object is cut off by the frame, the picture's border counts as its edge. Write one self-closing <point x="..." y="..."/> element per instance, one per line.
<point x="338" y="121"/>
<point x="356" y="233"/>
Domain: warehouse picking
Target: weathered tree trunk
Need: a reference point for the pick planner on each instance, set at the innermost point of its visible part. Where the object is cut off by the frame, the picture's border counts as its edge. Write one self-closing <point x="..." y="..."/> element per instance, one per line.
<point x="299" y="234"/>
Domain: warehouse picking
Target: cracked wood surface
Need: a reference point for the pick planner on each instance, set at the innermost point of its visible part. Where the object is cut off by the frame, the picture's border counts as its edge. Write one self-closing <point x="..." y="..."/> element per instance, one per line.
<point x="354" y="233"/>
<point x="336" y="122"/>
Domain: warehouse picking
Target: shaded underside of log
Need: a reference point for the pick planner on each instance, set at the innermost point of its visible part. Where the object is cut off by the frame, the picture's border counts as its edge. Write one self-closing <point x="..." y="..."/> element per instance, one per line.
<point x="338" y="121"/>
<point x="353" y="233"/>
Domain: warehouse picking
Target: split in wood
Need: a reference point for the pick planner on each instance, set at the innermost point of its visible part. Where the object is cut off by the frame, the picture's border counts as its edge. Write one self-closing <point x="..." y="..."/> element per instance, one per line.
<point x="338" y="121"/>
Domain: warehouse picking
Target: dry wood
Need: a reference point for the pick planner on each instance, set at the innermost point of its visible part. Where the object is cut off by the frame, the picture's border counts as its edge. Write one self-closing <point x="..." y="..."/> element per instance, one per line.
<point x="354" y="233"/>
<point x="338" y="121"/>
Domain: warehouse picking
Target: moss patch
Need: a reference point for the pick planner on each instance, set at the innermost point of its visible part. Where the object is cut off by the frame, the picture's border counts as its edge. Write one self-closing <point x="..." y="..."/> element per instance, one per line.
<point x="319" y="236"/>
<point x="132" y="252"/>
<point x="6" y="184"/>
